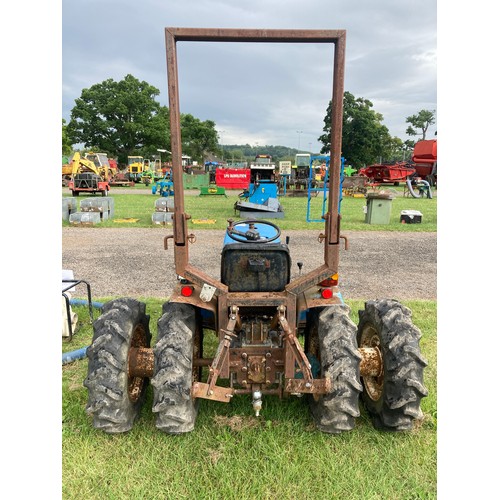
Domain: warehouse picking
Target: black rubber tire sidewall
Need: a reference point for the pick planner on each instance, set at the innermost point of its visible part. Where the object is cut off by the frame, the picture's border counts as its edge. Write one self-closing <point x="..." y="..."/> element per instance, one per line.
<point x="339" y="358"/>
<point x="178" y="328"/>
<point x="107" y="381"/>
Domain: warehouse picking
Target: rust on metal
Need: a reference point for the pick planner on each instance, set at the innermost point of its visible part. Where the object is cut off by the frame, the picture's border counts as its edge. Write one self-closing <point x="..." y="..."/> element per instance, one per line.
<point x="371" y="364"/>
<point x="165" y="240"/>
<point x="335" y="37"/>
<point x="255" y="367"/>
<point x="316" y="386"/>
<point x="293" y="348"/>
<point x="136" y="381"/>
<point x="373" y="378"/>
<point x="312" y="278"/>
<point x="256" y="371"/>
<point x="346" y="241"/>
<point x="200" y="278"/>
<point x="264" y="390"/>
<point x="215" y="393"/>
<point x="220" y="360"/>
<point x="141" y="362"/>
<point x="194" y="299"/>
<point x="261" y="299"/>
<point x="256" y="364"/>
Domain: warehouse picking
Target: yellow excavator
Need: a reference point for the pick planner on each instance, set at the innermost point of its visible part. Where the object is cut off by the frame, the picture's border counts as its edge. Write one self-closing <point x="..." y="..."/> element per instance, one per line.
<point x="86" y="177"/>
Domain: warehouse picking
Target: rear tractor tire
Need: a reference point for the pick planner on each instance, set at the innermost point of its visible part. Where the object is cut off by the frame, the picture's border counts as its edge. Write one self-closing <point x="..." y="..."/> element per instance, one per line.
<point x="179" y="342"/>
<point x="114" y="398"/>
<point x="393" y="398"/>
<point x="331" y="338"/>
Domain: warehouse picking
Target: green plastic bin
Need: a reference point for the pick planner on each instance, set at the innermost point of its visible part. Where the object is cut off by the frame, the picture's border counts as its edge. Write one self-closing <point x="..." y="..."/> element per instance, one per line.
<point x="378" y="208"/>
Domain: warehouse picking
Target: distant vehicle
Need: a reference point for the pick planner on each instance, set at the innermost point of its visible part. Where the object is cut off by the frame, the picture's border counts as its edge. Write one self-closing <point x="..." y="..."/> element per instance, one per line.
<point x="87" y="177"/>
<point x="300" y="171"/>
<point x="135" y="168"/>
<point x="101" y="161"/>
<point x="187" y="163"/>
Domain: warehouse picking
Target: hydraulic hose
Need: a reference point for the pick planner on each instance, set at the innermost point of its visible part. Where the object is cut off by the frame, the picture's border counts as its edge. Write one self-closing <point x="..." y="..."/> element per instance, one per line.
<point x="83" y="302"/>
<point x="422" y="185"/>
<point x="69" y="357"/>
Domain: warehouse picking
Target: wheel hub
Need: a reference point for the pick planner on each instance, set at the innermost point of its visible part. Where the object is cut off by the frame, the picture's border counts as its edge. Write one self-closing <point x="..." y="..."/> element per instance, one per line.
<point x="373" y="381"/>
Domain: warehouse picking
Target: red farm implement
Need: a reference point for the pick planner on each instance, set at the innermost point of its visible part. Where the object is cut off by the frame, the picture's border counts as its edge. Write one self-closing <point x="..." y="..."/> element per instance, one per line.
<point x="382" y="173"/>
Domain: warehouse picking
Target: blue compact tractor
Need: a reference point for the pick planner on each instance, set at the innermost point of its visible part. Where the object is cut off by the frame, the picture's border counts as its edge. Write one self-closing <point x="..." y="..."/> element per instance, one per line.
<point x="276" y="336"/>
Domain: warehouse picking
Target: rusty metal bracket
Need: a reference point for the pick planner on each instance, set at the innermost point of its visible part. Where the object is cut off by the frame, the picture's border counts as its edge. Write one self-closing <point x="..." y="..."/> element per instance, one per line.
<point x="296" y="349"/>
<point x="346" y="241"/>
<point x="221" y="394"/>
<point x="165" y="241"/>
<point x="317" y="386"/>
<point x="210" y="390"/>
<point x="191" y="238"/>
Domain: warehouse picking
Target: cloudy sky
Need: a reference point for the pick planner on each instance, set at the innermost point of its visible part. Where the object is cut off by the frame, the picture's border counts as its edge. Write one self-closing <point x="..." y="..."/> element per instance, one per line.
<point x="259" y="94"/>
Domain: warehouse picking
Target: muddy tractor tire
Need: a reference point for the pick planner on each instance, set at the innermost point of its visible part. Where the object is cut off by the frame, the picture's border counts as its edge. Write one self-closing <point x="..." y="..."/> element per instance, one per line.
<point x="114" y="398"/>
<point x="331" y="338"/>
<point x="179" y="341"/>
<point x="393" y="397"/>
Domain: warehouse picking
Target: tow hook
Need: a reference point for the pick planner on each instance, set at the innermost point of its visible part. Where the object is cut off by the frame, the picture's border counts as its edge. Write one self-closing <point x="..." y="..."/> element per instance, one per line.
<point x="257" y="402"/>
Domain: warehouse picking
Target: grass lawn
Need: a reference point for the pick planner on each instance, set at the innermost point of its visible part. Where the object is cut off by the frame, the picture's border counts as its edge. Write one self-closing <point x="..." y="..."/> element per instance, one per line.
<point x="206" y="209"/>
<point x="233" y="455"/>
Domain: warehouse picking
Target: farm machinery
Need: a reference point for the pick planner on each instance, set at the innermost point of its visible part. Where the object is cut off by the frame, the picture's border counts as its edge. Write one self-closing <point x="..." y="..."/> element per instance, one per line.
<point x="395" y="173"/>
<point x="276" y="336"/>
<point x="135" y="168"/>
<point x="261" y="197"/>
<point x="424" y="158"/>
<point x="87" y="177"/>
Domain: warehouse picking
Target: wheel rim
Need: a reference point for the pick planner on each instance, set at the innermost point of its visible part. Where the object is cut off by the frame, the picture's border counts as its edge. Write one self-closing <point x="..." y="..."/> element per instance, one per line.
<point x="136" y="384"/>
<point x="374" y="386"/>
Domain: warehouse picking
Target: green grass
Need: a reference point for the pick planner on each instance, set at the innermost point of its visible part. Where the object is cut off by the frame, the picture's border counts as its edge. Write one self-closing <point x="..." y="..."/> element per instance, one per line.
<point x="140" y="206"/>
<point x="231" y="454"/>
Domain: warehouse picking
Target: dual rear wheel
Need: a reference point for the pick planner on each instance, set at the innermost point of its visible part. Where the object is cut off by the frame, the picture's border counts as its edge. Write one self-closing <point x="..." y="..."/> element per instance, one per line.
<point x="392" y="398"/>
<point x="114" y="398"/>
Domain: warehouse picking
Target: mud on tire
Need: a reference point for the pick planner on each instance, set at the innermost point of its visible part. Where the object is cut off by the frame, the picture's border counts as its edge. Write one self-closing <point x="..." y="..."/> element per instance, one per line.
<point x="331" y="337"/>
<point x="393" y="398"/>
<point x="179" y="340"/>
<point x="114" y="398"/>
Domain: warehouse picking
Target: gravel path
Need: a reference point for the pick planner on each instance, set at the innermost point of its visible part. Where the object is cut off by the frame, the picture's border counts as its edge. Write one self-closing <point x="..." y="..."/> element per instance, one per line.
<point x="132" y="262"/>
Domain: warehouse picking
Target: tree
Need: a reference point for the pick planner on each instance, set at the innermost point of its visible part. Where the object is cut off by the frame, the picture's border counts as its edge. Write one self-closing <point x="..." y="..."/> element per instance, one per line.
<point x="66" y="141"/>
<point x="420" y="121"/>
<point x="198" y="138"/>
<point x="119" y="117"/>
<point x="364" y="139"/>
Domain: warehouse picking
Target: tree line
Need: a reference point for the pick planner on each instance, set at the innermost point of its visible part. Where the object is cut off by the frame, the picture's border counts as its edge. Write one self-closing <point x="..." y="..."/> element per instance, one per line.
<point x="124" y="118"/>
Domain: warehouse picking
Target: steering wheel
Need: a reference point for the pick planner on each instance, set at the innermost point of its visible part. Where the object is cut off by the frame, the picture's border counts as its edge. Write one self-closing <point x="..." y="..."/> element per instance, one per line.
<point x="252" y="235"/>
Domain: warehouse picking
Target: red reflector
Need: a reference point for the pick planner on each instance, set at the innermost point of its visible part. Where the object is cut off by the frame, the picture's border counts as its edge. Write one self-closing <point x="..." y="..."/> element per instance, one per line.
<point x="327" y="293"/>
<point x="187" y="291"/>
<point x="331" y="281"/>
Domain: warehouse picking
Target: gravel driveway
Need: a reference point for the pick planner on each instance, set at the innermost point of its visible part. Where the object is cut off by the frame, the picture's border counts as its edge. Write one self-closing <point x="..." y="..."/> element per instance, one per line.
<point x="132" y="262"/>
